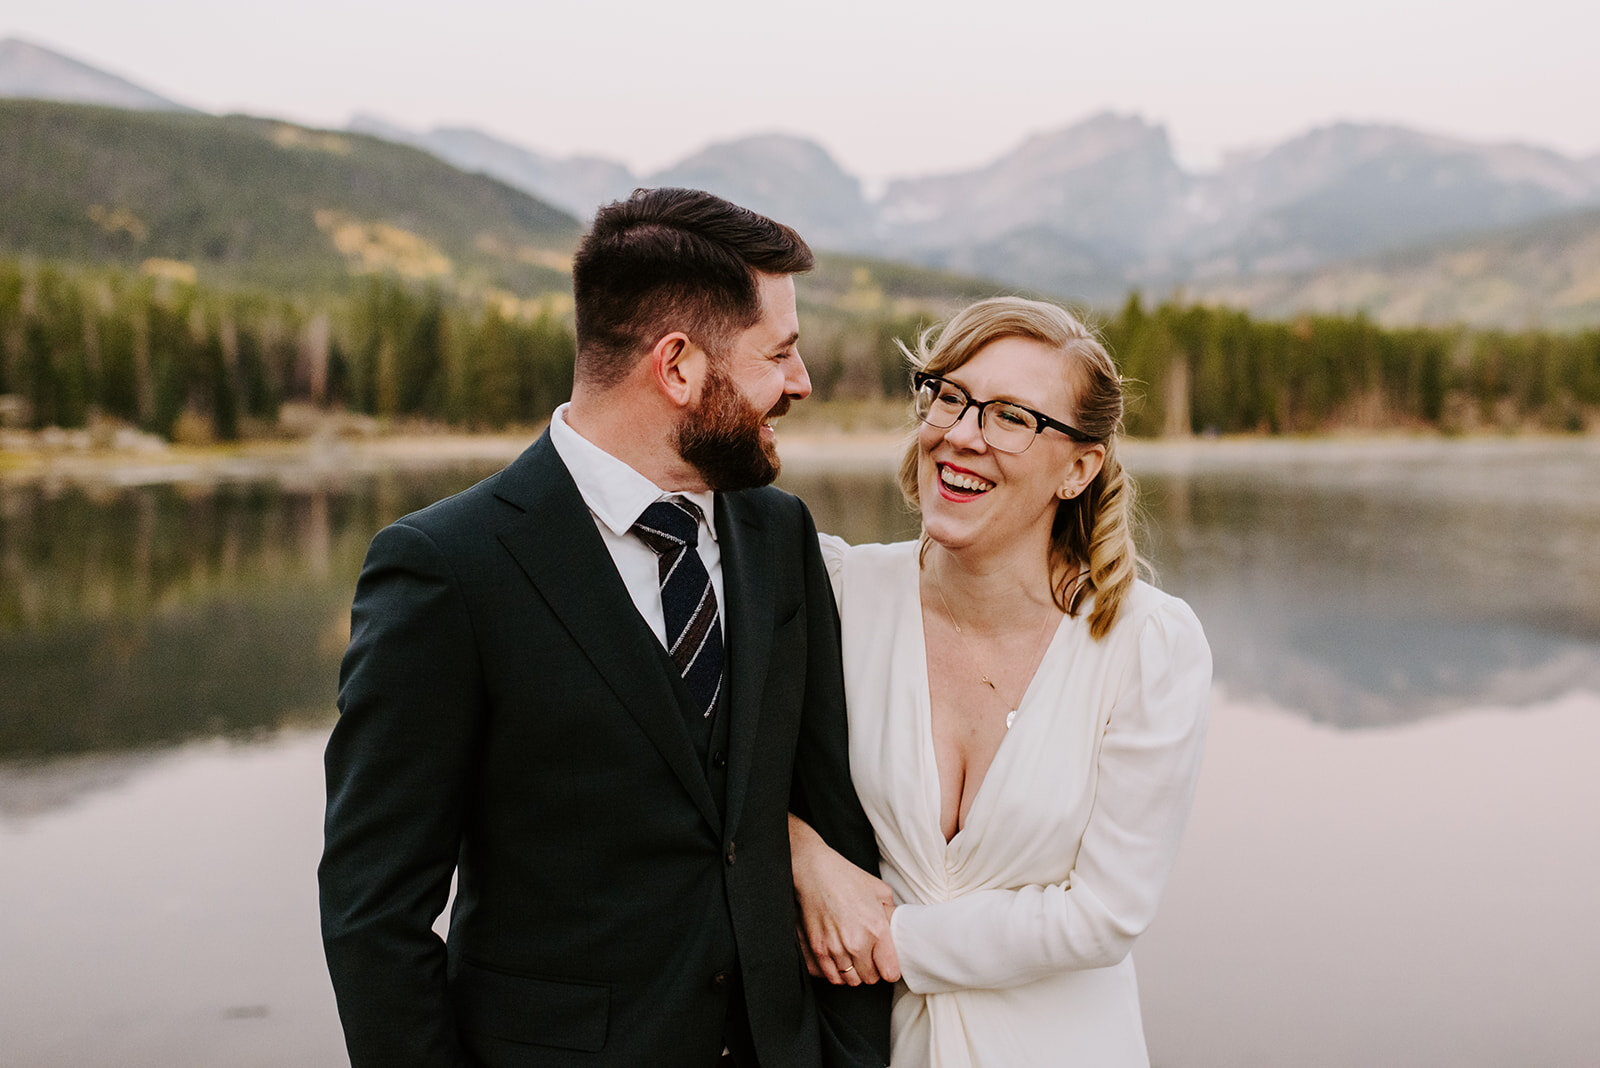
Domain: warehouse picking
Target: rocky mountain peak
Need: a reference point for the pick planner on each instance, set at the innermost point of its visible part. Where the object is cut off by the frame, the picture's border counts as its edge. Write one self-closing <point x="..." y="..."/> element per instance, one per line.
<point x="34" y="72"/>
<point x="1100" y="137"/>
<point x="790" y="178"/>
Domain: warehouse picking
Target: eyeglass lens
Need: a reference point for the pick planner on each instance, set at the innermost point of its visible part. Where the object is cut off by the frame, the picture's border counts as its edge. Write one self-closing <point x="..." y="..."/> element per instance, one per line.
<point x="1005" y="426"/>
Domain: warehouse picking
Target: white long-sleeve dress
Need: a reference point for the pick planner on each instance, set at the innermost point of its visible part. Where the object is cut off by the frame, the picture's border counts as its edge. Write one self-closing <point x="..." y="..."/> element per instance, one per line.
<point x="1013" y="937"/>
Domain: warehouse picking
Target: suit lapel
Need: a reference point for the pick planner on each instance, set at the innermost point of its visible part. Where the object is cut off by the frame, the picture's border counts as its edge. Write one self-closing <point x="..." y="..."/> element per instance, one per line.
<point x="748" y="587"/>
<point x="556" y="544"/>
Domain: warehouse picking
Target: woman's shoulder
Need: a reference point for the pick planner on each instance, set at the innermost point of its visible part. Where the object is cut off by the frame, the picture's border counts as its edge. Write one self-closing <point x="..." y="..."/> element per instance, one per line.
<point x="1148" y="608"/>
<point x="848" y="562"/>
<point x="1159" y="652"/>
<point x="837" y="552"/>
<point x="1149" y="599"/>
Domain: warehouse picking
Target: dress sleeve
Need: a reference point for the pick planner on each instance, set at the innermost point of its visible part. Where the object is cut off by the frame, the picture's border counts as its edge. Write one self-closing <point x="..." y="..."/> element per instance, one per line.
<point x="833" y="550"/>
<point x="854" y="1021"/>
<point x="1149" y="761"/>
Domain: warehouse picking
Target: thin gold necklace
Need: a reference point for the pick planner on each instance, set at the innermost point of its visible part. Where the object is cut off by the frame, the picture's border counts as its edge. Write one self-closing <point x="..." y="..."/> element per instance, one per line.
<point x="983" y="676"/>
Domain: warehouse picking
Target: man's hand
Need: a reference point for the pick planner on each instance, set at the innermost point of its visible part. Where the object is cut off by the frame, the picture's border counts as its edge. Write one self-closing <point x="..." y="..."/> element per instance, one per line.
<point x="844" y="913"/>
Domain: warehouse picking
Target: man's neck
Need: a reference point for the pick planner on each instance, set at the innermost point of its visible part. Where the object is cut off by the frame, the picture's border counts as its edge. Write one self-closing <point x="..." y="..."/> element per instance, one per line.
<point x="644" y="440"/>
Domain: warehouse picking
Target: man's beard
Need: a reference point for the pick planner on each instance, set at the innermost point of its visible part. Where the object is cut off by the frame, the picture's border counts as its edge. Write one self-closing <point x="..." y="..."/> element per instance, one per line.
<point x="721" y="437"/>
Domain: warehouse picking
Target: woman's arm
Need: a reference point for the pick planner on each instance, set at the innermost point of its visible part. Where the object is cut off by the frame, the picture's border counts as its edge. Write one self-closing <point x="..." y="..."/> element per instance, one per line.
<point x="1149" y="761"/>
<point x="844" y="913"/>
<point x="853" y="1024"/>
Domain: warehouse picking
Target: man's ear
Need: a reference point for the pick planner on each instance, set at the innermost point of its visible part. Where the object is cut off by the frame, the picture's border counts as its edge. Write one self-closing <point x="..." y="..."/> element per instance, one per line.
<point x="678" y="368"/>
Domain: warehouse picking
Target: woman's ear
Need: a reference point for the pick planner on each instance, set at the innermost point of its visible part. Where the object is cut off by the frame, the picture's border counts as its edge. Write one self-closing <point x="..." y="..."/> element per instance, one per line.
<point x="1085" y="466"/>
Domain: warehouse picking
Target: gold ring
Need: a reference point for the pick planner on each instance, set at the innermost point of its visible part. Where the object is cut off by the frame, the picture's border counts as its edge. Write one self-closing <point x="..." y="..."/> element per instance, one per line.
<point x="849" y="969"/>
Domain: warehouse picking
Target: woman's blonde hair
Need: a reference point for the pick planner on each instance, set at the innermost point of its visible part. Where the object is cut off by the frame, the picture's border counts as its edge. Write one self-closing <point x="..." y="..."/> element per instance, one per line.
<point x="1092" y="546"/>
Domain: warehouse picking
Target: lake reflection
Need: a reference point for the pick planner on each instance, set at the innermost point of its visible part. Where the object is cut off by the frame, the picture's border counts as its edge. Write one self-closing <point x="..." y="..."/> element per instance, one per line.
<point x="141" y="616"/>
<point x="1392" y="859"/>
<point x="1365" y="586"/>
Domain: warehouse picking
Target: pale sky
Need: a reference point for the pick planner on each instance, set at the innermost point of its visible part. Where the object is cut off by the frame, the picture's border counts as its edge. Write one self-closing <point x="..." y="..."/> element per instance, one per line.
<point x="890" y="88"/>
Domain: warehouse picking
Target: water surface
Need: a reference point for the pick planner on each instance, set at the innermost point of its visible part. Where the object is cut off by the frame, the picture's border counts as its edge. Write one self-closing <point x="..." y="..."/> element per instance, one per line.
<point x="1392" y="858"/>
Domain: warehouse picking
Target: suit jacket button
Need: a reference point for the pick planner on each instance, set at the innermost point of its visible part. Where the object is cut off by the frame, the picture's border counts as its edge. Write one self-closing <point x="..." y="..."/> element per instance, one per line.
<point x="719" y="981"/>
<point x="732" y="854"/>
<point x="719" y="759"/>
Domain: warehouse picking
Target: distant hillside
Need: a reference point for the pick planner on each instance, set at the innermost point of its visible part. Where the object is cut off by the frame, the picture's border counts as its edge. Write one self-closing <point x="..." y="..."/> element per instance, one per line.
<point x="1544" y="274"/>
<point x="867" y="284"/>
<point x="246" y="200"/>
<point x="34" y="72"/>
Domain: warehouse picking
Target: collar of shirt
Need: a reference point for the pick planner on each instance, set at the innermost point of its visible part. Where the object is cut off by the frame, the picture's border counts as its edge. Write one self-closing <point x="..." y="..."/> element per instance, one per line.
<point x="615" y="492"/>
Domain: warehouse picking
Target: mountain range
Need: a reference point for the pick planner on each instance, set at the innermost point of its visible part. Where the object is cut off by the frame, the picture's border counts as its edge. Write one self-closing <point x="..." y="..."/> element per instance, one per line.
<point x="788" y="178"/>
<point x="1102" y="206"/>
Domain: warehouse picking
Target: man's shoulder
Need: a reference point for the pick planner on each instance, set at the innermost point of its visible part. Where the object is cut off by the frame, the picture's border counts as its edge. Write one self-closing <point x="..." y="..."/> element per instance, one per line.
<point x="768" y="503"/>
<point x="486" y="504"/>
<point x="461" y="515"/>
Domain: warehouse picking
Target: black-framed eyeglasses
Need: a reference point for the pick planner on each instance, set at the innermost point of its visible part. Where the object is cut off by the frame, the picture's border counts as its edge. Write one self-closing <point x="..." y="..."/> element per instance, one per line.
<point x="1005" y="425"/>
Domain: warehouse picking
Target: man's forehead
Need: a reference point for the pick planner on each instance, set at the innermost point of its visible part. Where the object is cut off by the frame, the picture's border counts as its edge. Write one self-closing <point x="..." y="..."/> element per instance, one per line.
<point x="775" y="289"/>
<point x="777" y="302"/>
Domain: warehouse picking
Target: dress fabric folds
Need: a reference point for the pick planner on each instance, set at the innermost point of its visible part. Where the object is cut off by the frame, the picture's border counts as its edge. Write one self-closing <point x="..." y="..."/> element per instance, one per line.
<point x="1013" y="937"/>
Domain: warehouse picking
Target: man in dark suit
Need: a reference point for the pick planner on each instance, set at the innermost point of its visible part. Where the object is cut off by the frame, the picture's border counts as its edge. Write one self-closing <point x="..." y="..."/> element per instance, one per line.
<point x="591" y="688"/>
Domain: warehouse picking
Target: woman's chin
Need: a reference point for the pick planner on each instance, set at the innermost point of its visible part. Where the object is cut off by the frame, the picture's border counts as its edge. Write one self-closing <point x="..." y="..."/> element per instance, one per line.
<point x="947" y="532"/>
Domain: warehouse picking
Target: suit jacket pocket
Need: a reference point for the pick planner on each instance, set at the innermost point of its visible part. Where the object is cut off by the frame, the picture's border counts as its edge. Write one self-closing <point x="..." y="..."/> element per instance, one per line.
<point x="788" y="618"/>
<point x="520" y="1008"/>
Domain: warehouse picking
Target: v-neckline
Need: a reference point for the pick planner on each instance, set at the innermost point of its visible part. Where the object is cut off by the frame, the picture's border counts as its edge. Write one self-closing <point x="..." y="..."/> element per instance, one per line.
<point x="925" y="708"/>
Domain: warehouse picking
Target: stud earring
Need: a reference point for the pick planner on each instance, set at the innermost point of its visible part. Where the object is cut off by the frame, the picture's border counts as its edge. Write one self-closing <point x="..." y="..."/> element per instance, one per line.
<point x="1066" y="493"/>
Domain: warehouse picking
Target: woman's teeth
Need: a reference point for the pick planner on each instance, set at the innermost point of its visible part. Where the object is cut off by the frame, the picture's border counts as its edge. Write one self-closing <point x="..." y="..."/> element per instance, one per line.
<point x="964" y="482"/>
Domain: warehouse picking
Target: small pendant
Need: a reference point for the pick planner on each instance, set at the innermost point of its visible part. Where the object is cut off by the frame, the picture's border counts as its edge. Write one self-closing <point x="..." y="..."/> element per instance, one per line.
<point x="987" y="682"/>
<point x="1010" y="718"/>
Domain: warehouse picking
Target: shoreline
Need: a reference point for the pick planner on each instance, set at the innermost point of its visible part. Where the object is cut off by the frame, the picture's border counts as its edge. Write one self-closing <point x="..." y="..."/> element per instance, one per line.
<point x="804" y="449"/>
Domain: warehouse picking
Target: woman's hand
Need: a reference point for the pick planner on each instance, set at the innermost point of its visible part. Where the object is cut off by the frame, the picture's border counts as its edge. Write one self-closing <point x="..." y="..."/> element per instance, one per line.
<point x="844" y="913"/>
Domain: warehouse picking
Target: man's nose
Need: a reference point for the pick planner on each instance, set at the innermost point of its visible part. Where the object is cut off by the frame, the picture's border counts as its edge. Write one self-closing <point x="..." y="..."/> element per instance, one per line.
<point x="796" y="380"/>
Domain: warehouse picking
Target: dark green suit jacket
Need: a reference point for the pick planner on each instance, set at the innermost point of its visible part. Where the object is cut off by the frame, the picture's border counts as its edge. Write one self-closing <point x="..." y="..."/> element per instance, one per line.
<point x="507" y="717"/>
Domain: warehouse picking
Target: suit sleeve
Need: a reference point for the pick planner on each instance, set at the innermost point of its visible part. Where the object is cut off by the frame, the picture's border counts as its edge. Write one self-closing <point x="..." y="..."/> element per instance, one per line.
<point x="855" y="1020"/>
<point x="1148" y="765"/>
<point x="397" y="763"/>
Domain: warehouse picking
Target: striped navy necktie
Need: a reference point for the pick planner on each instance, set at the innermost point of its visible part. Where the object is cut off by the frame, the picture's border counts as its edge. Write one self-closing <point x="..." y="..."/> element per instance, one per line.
<point x="671" y="527"/>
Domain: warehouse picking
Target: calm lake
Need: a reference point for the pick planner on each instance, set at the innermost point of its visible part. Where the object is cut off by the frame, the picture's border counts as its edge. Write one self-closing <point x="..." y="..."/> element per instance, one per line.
<point x="1394" y="857"/>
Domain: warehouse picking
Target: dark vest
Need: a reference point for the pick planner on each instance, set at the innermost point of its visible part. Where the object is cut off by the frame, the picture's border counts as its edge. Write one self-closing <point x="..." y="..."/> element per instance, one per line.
<point x="711" y="746"/>
<point x="710" y="742"/>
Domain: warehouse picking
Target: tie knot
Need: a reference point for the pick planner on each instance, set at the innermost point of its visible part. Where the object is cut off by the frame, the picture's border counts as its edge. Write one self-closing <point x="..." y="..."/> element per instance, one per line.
<point x="669" y="524"/>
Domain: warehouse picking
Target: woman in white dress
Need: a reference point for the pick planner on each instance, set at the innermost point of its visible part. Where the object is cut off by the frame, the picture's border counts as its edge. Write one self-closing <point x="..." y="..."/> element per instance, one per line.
<point x="1026" y="715"/>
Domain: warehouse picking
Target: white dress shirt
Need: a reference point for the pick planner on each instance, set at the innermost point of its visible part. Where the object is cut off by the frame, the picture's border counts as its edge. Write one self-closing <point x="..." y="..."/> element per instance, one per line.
<point x="617" y="496"/>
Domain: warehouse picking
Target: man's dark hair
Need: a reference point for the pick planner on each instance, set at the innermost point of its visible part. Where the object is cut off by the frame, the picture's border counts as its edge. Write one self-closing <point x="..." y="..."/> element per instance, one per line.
<point x="672" y="259"/>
